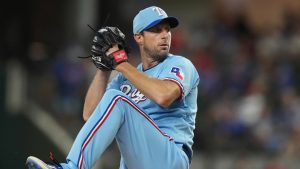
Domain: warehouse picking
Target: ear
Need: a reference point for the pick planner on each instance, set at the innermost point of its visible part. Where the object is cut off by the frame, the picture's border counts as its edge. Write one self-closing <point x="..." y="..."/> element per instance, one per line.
<point x="138" y="38"/>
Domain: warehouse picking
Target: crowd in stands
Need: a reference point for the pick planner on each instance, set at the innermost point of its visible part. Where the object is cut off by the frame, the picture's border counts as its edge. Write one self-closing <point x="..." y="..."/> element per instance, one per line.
<point x="248" y="59"/>
<point x="249" y="64"/>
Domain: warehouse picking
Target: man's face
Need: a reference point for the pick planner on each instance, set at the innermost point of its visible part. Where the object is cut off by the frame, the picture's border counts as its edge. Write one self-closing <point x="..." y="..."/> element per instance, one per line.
<point x="157" y="41"/>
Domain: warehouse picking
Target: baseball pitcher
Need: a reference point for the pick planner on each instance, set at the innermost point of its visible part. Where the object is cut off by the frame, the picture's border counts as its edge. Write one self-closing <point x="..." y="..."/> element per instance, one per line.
<point x="150" y="109"/>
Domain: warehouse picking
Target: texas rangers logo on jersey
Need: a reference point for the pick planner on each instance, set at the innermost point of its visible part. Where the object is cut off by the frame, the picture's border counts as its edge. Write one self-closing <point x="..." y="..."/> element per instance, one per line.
<point x="178" y="72"/>
<point x="135" y="94"/>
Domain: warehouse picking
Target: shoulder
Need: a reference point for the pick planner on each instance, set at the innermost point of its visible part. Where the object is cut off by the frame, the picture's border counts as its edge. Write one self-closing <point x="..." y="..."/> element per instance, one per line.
<point x="182" y="63"/>
<point x="173" y="57"/>
<point x="182" y="69"/>
<point x="179" y="60"/>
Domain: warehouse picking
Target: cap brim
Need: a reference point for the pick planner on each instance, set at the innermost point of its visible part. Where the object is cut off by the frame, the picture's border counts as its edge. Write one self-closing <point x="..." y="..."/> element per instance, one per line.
<point x="171" y="20"/>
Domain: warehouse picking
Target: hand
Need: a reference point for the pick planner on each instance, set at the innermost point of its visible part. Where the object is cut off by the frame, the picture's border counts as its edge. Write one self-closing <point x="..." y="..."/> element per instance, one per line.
<point x="109" y="48"/>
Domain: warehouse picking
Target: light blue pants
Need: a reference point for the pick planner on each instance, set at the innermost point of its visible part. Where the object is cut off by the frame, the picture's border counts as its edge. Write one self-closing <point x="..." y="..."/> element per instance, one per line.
<point x="142" y="144"/>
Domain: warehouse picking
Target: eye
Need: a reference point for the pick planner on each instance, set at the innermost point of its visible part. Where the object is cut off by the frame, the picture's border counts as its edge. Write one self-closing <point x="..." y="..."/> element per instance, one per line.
<point x="164" y="26"/>
<point x="168" y="29"/>
<point x="155" y="29"/>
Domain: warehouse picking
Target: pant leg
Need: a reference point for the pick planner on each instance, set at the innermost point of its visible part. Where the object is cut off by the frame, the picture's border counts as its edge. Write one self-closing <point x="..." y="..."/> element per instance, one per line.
<point x="141" y="143"/>
<point x="122" y="164"/>
<point x="144" y="146"/>
<point x="97" y="133"/>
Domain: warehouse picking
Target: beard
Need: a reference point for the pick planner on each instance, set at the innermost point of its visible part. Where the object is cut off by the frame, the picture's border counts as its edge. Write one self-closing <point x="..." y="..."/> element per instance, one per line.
<point x="156" y="55"/>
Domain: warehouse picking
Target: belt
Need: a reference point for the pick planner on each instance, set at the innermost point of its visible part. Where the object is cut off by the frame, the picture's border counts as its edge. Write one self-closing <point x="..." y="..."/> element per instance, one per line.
<point x="188" y="152"/>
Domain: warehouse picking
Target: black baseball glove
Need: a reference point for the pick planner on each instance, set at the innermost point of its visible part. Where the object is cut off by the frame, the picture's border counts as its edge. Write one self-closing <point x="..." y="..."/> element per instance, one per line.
<point x="105" y="39"/>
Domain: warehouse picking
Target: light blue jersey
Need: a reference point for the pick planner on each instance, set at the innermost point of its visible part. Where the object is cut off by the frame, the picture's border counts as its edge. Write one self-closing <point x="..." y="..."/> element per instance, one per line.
<point x="178" y="121"/>
<point x="148" y="135"/>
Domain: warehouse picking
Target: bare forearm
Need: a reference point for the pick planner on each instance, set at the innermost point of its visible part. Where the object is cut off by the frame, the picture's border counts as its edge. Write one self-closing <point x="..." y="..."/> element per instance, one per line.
<point x="95" y="92"/>
<point x="161" y="91"/>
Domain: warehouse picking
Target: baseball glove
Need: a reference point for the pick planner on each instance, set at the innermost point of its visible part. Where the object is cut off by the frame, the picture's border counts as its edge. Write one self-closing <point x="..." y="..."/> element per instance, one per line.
<point x="105" y="39"/>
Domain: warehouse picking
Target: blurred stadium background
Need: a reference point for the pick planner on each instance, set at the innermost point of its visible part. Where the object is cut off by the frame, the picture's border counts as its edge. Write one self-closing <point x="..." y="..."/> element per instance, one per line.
<point x="247" y="53"/>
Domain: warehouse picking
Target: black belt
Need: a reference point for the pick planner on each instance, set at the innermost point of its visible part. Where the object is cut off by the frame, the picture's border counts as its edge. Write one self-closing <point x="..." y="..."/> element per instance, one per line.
<point x="188" y="152"/>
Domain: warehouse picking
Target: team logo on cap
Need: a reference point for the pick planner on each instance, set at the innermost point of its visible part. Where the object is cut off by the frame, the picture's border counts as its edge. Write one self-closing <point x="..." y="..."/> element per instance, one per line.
<point x="160" y="11"/>
<point x="178" y="72"/>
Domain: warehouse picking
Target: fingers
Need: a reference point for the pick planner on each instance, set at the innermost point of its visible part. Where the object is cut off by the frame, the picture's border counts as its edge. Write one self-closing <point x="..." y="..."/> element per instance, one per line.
<point x="112" y="49"/>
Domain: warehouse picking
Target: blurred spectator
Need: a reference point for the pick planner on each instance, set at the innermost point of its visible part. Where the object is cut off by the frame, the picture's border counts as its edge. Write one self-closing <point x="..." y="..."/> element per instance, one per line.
<point x="250" y="107"/>
<point x="70" y="77"/>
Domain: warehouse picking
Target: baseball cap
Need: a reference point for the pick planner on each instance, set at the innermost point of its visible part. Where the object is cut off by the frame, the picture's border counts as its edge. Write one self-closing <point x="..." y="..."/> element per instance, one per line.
<point x="151" y="16"/>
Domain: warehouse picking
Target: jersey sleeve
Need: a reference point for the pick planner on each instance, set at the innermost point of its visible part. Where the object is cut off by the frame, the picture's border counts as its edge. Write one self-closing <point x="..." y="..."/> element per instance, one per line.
<point x="181" y="71"/>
